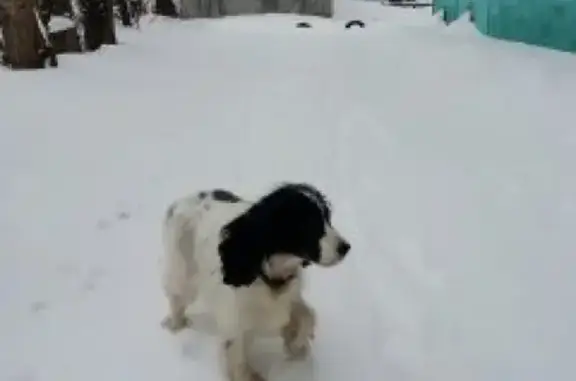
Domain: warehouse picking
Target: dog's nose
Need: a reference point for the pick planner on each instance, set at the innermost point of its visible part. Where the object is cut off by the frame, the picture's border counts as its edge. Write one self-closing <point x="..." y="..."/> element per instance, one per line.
<point x="343" y="248"/>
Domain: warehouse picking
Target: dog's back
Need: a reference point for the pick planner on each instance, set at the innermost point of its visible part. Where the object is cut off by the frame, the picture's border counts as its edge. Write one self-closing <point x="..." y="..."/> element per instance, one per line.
<point x="191" y="226"/>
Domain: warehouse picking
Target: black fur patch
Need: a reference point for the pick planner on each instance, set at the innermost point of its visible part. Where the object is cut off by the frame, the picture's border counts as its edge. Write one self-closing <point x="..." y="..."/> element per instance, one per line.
<point x="276" y="284"/>
<point x="170" y="211"/>
<point x="314" y="194"/>
<point x="224" y="195"/>
<point x="290" y="219"/>
<point x="202" y="195"/>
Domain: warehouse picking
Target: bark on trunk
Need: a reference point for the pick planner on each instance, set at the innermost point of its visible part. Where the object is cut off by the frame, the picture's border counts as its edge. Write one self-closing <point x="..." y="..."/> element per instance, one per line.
<point x="24" y="45"/>
<point x="109" y="28"/>
<point x="98" y="20"/>
<point x="125" y="12"/>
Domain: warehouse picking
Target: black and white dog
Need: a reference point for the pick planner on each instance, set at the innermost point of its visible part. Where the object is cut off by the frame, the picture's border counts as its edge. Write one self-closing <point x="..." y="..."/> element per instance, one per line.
<point x="246" y="259"/>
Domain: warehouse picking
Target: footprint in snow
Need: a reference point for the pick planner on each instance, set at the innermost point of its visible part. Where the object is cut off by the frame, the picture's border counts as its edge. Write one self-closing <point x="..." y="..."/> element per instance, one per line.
<point x="105" y="224"/>
<point x="92" y="279"/>
<point x="38" y="306"/>
<point x="123" y="215"/>
<point x="23" y="377"/>
<point x="102" y="224"/>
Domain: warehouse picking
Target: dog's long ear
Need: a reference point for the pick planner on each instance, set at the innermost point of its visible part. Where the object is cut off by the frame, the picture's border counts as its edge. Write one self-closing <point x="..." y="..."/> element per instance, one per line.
<point x="241" y="254"/>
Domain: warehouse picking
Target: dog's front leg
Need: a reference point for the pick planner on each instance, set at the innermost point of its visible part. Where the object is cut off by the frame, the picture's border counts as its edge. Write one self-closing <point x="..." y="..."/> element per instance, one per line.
<point x="176" y="319"/>
<point x="236" y="360"/>
<point x="299" y="331"/>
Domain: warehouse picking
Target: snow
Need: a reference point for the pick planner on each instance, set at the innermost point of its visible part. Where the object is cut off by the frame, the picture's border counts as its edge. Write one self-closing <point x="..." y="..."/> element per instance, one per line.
<point x="59" y="23"/>
<point x="449" y="158"/>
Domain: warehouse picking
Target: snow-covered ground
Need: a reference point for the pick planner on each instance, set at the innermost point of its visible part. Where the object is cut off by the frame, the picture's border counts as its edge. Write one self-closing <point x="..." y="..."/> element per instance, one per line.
<point x="449" y="158"/>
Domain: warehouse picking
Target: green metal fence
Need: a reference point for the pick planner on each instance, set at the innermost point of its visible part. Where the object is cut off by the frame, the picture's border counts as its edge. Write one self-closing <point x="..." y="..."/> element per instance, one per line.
<point x="549" y="23"/>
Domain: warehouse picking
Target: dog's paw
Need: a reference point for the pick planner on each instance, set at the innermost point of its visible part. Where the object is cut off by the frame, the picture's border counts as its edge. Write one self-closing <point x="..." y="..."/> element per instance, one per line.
<point x="247" y="374"/>
<point x="174" y="324"/>
<point x="297" y="349"/>
<point x="297" y="341"/>
<point x="255" y="376"/>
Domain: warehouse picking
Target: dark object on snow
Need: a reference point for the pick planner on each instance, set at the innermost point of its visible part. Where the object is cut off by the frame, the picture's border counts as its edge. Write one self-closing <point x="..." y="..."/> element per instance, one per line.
<point x="303" y="24"/>
<point x="358" y="23"/>
<point x="130" y="12"/>
<point x="62" y="40"/>
<point x="65" y="41"/>
<point x="165" y="8"/>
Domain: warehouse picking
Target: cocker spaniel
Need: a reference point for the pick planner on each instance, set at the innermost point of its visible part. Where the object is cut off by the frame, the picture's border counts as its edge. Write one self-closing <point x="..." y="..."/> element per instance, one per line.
<point x="246" y="259"/>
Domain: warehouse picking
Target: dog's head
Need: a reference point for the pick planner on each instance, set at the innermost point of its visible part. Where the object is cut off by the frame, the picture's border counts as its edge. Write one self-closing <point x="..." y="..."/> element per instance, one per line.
<point x="289" y="228"/>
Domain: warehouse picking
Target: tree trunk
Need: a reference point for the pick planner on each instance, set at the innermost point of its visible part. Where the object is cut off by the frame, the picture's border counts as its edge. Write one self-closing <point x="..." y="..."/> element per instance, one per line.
<point x="46" y="9"/>
<point x="98" y="23"/>
<point x="109" y="27"/>
<point x="125" y="13"/>
<point x="24" y="45"/>
<point x="76" y="10"/>
<point x="165" y="8"/>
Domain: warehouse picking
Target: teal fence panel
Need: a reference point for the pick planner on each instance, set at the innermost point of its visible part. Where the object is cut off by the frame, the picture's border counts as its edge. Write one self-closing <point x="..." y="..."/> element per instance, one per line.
<point x="451" y="9"/>
<point x="548" y="23"/>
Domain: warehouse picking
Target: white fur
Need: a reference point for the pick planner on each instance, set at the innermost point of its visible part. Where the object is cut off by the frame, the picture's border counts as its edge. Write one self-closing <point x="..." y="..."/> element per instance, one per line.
<point x="191" y="235"/>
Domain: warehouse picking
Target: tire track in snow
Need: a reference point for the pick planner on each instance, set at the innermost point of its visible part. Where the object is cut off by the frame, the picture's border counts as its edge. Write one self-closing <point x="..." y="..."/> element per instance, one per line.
<point x="392" y="298"/>
<point x="359" y="285"/>
<point x="394" y="284"/>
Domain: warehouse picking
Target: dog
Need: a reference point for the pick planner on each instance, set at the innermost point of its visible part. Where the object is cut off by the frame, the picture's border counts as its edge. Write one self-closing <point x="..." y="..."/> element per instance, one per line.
<point x="246" y="260"/>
